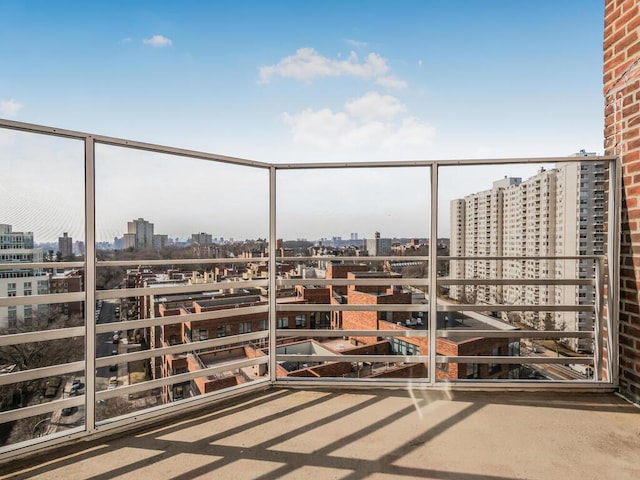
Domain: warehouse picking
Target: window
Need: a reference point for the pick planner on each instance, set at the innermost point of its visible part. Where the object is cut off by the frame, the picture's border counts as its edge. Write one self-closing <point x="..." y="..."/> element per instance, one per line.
<point x="262" y="325"/>
<point x="495" y="367"/>
<point x="473" y="370"/>
<point x="11" y="286"/>
<point x="200" y="334"/>
<point x="283" y="322"/>
<point x="223" y="331"/>
<point x="301" y="321"/>
<point x="244" y="327"/>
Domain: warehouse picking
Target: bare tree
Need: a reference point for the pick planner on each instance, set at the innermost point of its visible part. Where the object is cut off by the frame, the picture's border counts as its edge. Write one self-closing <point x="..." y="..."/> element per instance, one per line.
<point x="27" y="356"/>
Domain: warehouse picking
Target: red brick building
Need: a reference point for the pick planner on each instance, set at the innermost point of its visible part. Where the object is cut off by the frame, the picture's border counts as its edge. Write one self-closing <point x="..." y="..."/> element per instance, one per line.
<point x="71" y="281"/>
<point x="622" y="138"/>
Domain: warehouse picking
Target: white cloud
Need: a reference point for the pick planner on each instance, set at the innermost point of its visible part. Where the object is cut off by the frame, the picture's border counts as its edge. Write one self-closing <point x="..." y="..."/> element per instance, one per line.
<point x="126" y="40"/>
<point x="318" y="128"/>
<point x="369" y="123"/>
<point x="391" y="82"/>
<point x="158" y="41"/>
<point x="420" y="63"/>
<point x="307" y="64"/>
<point x="372" y="106"/>
<point x="355" y="43"/>
<point x="10" y="108"/>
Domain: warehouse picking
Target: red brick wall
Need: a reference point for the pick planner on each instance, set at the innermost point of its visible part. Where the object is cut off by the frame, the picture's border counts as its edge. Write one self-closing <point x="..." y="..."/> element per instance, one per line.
<point x="622" y="138"/>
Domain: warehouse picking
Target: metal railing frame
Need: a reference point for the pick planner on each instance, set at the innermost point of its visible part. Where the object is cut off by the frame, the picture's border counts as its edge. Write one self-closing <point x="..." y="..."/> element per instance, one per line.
<point x="605" y="279"/>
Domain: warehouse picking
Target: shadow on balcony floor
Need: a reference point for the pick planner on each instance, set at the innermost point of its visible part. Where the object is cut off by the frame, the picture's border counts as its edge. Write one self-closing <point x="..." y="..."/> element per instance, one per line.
<point x="388" y="434"/>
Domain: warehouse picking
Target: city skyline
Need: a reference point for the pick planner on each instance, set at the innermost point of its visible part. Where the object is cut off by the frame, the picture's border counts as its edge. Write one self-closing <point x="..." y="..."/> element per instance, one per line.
<point x="330" y="82"/>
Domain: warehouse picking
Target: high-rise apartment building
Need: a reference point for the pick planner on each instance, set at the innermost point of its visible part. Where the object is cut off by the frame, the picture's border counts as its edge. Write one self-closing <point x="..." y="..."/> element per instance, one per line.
<point x="65" y="245"/>
<point x="202" y="238"/>
<point x="139" y="234"/>
<point x="557" y="212"/>
<point x="18" y="247"/>
<point x="378" y="246"/>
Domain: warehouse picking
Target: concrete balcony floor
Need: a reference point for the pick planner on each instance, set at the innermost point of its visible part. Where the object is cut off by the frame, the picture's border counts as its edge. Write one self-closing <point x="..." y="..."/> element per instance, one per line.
<point x="364" y="434"/>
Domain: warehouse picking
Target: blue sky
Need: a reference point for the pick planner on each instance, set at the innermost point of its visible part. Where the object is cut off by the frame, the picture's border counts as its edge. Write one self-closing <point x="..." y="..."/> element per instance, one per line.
<point x="312" y="81"/>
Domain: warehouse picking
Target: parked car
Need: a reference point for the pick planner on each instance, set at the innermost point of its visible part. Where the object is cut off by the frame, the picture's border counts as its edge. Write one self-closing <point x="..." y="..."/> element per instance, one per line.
<point x="113" y="383"/>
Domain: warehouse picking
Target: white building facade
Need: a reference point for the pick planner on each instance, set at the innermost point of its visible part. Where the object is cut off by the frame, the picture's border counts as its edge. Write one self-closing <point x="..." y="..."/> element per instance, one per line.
<point x="18" y="247"/>
<point x="557" y="212"/>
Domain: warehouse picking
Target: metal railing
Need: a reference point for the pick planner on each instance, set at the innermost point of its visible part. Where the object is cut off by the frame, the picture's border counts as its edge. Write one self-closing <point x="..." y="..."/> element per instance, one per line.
<point x="265" y="365"/>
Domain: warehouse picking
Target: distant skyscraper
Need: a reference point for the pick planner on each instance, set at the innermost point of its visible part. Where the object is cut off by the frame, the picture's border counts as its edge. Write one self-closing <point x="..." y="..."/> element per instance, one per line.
<point x="378" y="246"/>
<point x="65" y="245"/>
<point x="202" y="238"/>
<point x="17" y="247"/>
<point x="78" y="247"/>
<point x="139" y="234"/>
<point x="354" y="236"/>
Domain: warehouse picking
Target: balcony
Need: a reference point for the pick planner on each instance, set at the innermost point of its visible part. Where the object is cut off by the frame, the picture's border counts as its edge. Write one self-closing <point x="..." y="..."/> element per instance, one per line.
<point x="257" y="318"/>
<point x="361" y="434"/>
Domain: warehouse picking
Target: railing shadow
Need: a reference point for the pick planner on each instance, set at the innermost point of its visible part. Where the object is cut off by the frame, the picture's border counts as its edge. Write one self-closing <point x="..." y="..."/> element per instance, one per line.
<point x="283" y="433"/>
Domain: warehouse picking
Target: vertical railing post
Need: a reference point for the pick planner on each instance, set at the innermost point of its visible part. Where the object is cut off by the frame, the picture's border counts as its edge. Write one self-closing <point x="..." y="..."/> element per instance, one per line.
<point x="433" y="274"/>
<point x="272" y="274"/>
<point x="613" y="268"/>
<point x="90" y="283"/>
<point x="599" y="314"/>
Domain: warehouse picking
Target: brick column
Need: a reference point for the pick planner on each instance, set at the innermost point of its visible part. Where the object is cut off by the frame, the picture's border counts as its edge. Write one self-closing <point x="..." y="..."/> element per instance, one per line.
<point x="622" y="138"/>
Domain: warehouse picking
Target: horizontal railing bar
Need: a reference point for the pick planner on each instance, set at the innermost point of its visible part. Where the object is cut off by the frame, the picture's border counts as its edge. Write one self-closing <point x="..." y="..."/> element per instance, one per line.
<point x="404" y="307"/>
<point x="286" y="282"/>
<point x="40" y="265"/>
<point x="492" y="384"/>
<point x="41" y="336"/>
<point x="521" y="258"/>
<point x="285" y="333"/>
<point x="33" y="128"/>
<point x="40" y="409"/>
<point x="513" y="360"/>
<point x="439" y="358"/>
<point x="42" y="372"/>
<point x="513" y="333"/>
<point x="188" y="347"/>
<point x="177" y="261"/>
<point x="417" y="332"/>
<point x="440" y="163"/>
<point x="199" y="287"/>
<point x="119" y="142"/>
<point x="381" y="258"/>
<point x="517" y="282"/>
<point x="353" y="358"/>
<point x="175" y="319"/>
<point x="48" y="298"/>
<point x="151" y="147"/>
<point x="513" y="308"/>
<point x="324" y="307"/>
<point x="179" y="378"/>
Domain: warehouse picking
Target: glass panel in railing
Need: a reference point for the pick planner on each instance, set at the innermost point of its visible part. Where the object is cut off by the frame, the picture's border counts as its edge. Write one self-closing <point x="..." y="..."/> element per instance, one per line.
<point x="527" y="257"/>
